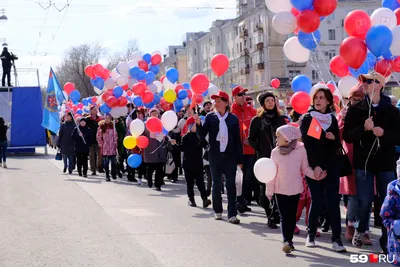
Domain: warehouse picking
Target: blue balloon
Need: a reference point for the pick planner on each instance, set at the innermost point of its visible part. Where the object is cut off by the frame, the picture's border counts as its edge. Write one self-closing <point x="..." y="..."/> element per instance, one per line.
<point x="172" y="75"/>
<point x="186" y="85"/>
<point x="79" y="112"/>
<point x="205" y="93"/>
<point x="307" y="40"/>
<point x="134" y="160"/>
<point x="202" y="117"/>
<point x="379" y="39"/>
<point x="233" y="85"/>
<point x="182" y="94"/>
<point x="161" y="93"/>
<point x="85" y="101"/>
<point x="75" y="96"/>
<point x="321" y="18"/>
<point x="147" y="58"/>
<point x="178" y="105"/>
<point x="150" y="77"/>
<point x="371" y="60"/>
<point x="104" y="108"/>
<point x="118" y="91"/>
<point x="156" y="99"/>
<point x="97" y="82"/>
<point x="154" y="69"/>
<point x="133" y="72"/>
<point x="141" y="75"/>
<point x="387" y="55"/>
<point x="301" y="83"/>
<point x="164" y="131"/>
<point x="364" y="69"/>
<point x="149" y="105"/>
<point x="302" y="5"/>
<point x="138" y="102"/>
<point x="391" y="4"/>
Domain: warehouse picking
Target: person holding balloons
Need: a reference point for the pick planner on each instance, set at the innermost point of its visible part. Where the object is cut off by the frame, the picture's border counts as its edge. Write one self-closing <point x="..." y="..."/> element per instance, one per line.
<point x="320" y="134"/>
<point x="225" y="155"/>
<point x="262" y="138"/>
<point x="82" y="137"/>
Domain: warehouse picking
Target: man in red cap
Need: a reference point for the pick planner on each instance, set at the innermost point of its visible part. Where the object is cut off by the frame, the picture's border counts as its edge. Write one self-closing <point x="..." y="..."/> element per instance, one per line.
<point x="245" y="114"/>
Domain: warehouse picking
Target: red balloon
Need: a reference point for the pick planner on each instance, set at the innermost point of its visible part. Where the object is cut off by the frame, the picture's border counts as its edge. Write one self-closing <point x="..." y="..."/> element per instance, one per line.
<point x="156" y="59"/>
<point x="106" y="95"/>
<point x="396" y="64"/>
<point x="142" y="141"/>
<point x="190" y="94"/>
<point x="77" y="116"/>
<point x="89" y="71"/>
<point x="139" y="88"/>
<point x="219" y="64"/>
<point x="154" y="125"/>
<point x="384" y="67"/>
<point x="122" y="101"/>
<point x="106" y="74"/>
<point x="69" y="87"/>
<point x="98" y="70"/>
<point x="331" y="87"/>
<point x="165" y="105"/>
<point x="199" y="99"/>
<point x="357" y="24"/>
<point x="125" y="87"/>
<point x="199" y="83"/>
<point x="80" y="105"/>
<point x="300" y="102"/>
<point x="162" y="78"/>
<point x="324" y="7"/>
<point x="75" y="108"/>
<point x="112" y="101"/>
<point x="397" y="13"/>
<point x="147" y="96"/>
<point x="129" y="92"/>
<point x="143" y="65"/>
<point x="94" y="99"/>
<point x="295" y="12"/>
<point x="336" y="99"/>
<point x="178" y="88"/>
<point x="275" y="83"/>
<point x="353" y="51"/>
<point x="308" y="21"/>
<point x="339" y="67"/>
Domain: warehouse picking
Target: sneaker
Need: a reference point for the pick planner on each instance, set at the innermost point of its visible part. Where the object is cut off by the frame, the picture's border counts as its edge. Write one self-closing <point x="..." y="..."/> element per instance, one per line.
<point x="366" y="240"/>
<point x="108" y="179"/>
<point x="80" y="174"/>
<point x="296" y="230"/>
<point x="286" y="248"/>
<point x="114" y="177"/>
<point x="94" y="173"/>
<point x="158" y="188"/>
<point x="310" y="243"/>
<point x="358" y="239"/>
<point x="139" y="182"/>
<point x="218" y="216"/>
<point x="5" y="165"/>
<point x="338" y="246"/>
<point x="240" y="208"/>
<point x="64" y="170"/>
<point x="291" y="246"/>
<point x="318" y="234"/>
<point x="85" y="176"/>
<point x="234" y="220"/>
<point x="191" y="203"/>
<point x="206" y="203"/>
<point x="70" y="172"/>
<point x="271" y="224"/>
<point x="350" y="230"/>
<point x="119" y="174"/>
<point x="247" y="209"/>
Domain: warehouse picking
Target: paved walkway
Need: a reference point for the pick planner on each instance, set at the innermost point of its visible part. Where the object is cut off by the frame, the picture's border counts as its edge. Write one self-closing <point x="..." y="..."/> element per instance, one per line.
<point x="51" y="219"/>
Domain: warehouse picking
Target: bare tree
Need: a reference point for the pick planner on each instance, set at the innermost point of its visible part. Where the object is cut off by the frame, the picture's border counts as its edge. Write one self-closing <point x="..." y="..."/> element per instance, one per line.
<point x="124" y="56"/>
<point x="72" y="68"/>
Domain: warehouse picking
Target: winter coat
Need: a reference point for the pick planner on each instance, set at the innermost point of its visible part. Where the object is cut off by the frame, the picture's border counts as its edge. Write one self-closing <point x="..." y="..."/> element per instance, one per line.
<point x="3" y="133"/>
<point x="155" y="152"/>
<point x="121" y="131"/>
<point x="65" y="140"/>
<point x="390" y="212"/>
<point x="107" y="139"/>
<point x="367" y="153"/>
<point x="321" y="152"/>
<point x="80" y="146"/>
<point x="289" y="179"/>
<point x="176" y="149"/>
<point x="6" y="59"/>
<point x="211" y="127"/>
<point x="261" y="136"/>
<point x="192" y="151"/>
<point x="245" y="114"/>
<point x="93" y="124"/>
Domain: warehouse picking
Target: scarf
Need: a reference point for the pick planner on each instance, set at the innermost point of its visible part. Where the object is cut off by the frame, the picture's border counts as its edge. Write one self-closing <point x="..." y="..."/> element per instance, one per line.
<point x="286" y="150"/>
<point x="269" y="124"/>
<point x="325" y="120"/>
<point x="222" y="136"/>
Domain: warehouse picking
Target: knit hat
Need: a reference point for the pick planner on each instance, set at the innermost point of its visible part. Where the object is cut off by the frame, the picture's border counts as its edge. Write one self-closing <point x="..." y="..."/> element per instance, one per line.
<point x="188" y="125"/>
<point x="206" y="102"/>
<point x="154" y="109"/>
<point x="261" y="97"/>
<point x="357" y="91"/>
<point x="289" y="132"/>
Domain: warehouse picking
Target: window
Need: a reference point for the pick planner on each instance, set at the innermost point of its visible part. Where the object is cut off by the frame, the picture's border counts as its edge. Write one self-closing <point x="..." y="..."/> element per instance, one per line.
<point x="332" y="16"/>
<point x="293" y="73"/>
<point x="218" y="40"/>
<point x="237" y="31"/>
<point x="241" y="48"/>
<point x="210" y="41"/>
<point x="332" y="54"/>
<point x="195" y="51"/>
<point x="315" y="75"/>
<point x="332" y="35"/>
<point x="251" y="42"/>
<point x="237" y="48"/>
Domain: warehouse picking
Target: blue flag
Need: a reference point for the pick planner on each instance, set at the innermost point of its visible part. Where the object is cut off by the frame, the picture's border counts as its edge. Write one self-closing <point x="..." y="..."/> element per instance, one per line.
<point x="54" y="98"/>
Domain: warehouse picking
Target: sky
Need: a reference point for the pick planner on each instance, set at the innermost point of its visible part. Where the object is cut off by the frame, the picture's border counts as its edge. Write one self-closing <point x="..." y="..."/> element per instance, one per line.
<point x="39" y="32"/>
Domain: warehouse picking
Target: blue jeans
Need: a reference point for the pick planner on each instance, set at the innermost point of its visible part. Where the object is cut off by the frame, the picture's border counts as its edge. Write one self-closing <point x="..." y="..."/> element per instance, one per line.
<point x="69" y="162"/>
<point x="3" y="150"/>
<point x="223" y="164"/>
<point x="106" y="166"/>
<point x="248" y="179"/>
<point x="352" y="211"/>
<point x="365" y="193"/>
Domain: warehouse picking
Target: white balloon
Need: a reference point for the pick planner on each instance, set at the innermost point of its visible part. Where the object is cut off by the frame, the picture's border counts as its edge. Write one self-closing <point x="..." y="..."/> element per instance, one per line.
<point x="159" y="86"/>
<point x="132" y="63"/>
<point x="137" y="56"/>
<point x="152" y="88"/>
<point x="294" y="51"/>
<point x="316" y="87"/>
<point x="277" y="6"/>
<point x="345" y="84"/>
<point x="98" y="91"/>
<point x="114" y="74"/>
<point x="168" y="85"/>
<point x="265" y="170"/>
<point x="212" y="89"/>
<point x="109" y="83"/>
<point x="123" y="69"/>
<point x="132" y="82"/>
<point x="169" y="120"/>
<point x="136" y="128"/>
<point x="395" y="47"/>
<point x="121" y="80"/>
<point x="384" y="16"/>
<point x="115" y="112"/>
<point x="185" y="101"/>
<point x="284" y="22"/>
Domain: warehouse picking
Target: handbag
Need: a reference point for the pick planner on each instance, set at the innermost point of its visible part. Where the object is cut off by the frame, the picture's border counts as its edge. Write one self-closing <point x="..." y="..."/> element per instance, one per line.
<point x="345" y="166"/>
<point x="170" y="164"/>
<point x="58" y="155"/>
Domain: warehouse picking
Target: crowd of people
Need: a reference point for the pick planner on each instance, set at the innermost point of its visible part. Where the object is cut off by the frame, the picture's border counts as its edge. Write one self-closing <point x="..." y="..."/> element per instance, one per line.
<point x="321" y="156"/>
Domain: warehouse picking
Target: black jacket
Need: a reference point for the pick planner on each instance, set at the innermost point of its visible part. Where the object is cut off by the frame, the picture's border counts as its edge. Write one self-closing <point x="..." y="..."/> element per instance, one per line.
<point x="80" y="146"/>
<point x="192" y="151"/>
<point x="211" y="127"/>
<point x="382" y="159"/>
<point x="6" y="59"/>
<point x="321" y="152"/>
<point x="93" y="125"/>
<point x="65" y="140"/>
<point x="3" y="133"/>
<point x="261" y="139"/>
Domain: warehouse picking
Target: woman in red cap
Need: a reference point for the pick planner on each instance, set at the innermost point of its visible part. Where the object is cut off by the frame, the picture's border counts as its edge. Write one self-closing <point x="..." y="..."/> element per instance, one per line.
<point x="225" y="152"/>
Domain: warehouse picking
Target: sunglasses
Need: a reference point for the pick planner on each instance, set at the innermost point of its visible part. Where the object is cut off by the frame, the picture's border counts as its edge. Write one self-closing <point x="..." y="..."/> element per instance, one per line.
<point x="241" y="94"/>
<point x="369" y="81"/>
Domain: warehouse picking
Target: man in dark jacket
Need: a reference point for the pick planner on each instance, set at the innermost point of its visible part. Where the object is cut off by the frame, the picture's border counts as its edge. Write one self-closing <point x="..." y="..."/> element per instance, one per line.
<point x="373" y="127"/>
<point x="94" y="154"/>
<point x="83" y="139"/>
<point x="66" y="143"/>
<point x="6" y="62"/>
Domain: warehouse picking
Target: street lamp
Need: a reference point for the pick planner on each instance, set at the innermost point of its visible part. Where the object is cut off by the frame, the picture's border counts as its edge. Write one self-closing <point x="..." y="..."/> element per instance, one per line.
<point x="3" y="17"/>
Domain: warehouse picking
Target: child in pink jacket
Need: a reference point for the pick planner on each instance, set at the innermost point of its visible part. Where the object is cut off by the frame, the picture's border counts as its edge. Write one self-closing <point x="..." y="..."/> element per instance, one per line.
<point x="290" y="156"/>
